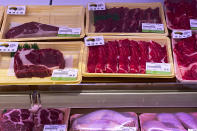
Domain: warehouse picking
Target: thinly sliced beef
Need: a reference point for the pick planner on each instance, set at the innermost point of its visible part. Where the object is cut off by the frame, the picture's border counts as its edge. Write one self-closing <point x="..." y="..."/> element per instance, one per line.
<point x="102" y="60"/>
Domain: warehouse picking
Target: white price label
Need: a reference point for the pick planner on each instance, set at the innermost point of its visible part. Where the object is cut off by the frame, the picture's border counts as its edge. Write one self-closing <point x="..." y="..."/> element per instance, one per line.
<point x="128" y="129"/>
<point x="193" y="24"/>
<point x="154" y="28"/>
<point x="158" y="68"/>
<point x="64" y="74"/>
<point x="192" y="129"/>
<point x="96" y="6"/>
<point x="179" y="34"/>
<point x="8" y="46"/>
<point x="54" y="128"/>
<point x="16" y="10"/>
<point x="94" y="40"/>
<point x="69" y="31"/>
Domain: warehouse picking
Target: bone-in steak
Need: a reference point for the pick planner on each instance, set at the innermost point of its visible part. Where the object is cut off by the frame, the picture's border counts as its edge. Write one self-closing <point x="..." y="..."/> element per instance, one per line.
<point x="32" y="29"/>
<point x="37" y="63"/>
<point x="48" y="117"/>
<point x="17" y="120"/>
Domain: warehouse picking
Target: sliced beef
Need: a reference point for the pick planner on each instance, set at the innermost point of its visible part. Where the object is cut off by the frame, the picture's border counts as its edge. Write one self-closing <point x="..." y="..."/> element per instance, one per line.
<point x="48" y="116"/>
<point x="37" y="63"/>
<point x="179" y="13"/>
<point x="125" y="56"/>
<point x="32" y="29"/>
<point x="17" y="120"/>
<point x="123" y="19"/>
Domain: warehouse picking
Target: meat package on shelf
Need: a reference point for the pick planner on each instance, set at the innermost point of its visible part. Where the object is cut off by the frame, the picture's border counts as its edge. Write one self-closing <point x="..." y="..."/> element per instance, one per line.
<point x="185" y="58"/>
<point x="168" y="121"/>
<point x="104" y="120"/>
<point x="125" y="19"/>
<point x="35" y="63"/>
<point x="179" y="13"/>
<point x="127" y="57"/>
<point x="27" y="120"/>
<point x="44" y="23"/>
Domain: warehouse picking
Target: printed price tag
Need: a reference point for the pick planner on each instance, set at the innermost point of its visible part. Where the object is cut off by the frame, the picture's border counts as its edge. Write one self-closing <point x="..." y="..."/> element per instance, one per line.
<point x="193" y="24"/>
<point x="94" y="40"/>
<point x="152" y="28"/>
<point x="192" y="129"/>
<point x="16" y="10"/>
<point x="96" y="6"/>
<point x="158" y="68"/>
<point x="64" y="74"/>
<point x="54" y="128"/>
<point x="8" y="46"/>
<point x="128" y="129"/>
<point x="71" y="32"/>
<point x="179" y="34"/>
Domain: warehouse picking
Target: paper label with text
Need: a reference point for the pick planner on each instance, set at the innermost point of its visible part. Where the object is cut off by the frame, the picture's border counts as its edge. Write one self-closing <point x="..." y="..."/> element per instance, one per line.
<point x="152" y="28"/>
<point x="94" y="40"/>
<point x="16" y="10"/>
<point x="180" y="34"/>
<point x="158" y="68"/>
<point x="69" y="32"/>
<point x="54" y="128"/>
<point x="193" y="24"/>
<point x="64" y="74"/>
<point x="8" y="46"/>
<point x="96" y="6"/>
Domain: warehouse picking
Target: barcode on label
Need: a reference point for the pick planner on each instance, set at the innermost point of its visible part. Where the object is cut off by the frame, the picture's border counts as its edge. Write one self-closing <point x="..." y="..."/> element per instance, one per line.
<point x="16" y="10"/>
<point x="94" y="41"/>
<point x="54" y="128"/>
<point x="96" y="6"/>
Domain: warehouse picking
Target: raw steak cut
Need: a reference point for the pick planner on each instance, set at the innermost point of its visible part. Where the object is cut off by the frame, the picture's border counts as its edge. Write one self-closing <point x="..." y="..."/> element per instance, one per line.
<point x="185" y="54"/>
<point x="125" y="56"/>
<point x="160" y="122"/>
<point x="179" y="13"/>
<point x="123" y="19"/>
<point x="37" y="63"/>
<point x="32" y="29"/>
<point x="103" y="120"/>
<point x="17" y="120"/>
<point x="48" y="117"/>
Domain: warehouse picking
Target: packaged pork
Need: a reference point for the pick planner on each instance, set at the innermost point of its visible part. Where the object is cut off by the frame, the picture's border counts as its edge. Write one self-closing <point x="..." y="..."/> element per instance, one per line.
<point x="43" y="23"/>
<point x="140" y="19"/>
<point x="179" y="13"/>
<point x="41" y="63"/>
<point x="185" y="59"/>
<point x="146" y="57"/>
<point x="168" y="121"/>
<point x="104" y="120"/>
<point x="27" y="120"/>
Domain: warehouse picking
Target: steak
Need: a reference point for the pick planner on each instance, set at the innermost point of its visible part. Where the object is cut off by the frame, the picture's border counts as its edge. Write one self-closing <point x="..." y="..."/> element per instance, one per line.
<point x="179" y="13"/>
<point x="123" y="19"/>
<point x="48" y="116"/>
<point x="125" y="56"/>
<point x="37" y="63"/>
<point x="17" y="120"/>
<point x="185" y="53"/>
<point x="32" y="29"/>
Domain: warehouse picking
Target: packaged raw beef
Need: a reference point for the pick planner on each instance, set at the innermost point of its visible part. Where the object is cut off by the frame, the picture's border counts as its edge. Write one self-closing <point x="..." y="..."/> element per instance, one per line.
<point x="179" y="13"/>
<point x="104" y="120"/>
<point x="32" y="29"/>
<point x="30" y="62"/>
<point x="185" y="58"/>
<point x="161" y="122"/>
<point x="50" y="116"/>
<point x="127" y="56"/>
<point x="126" y="18"/>
<point x="16" y="120"/>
